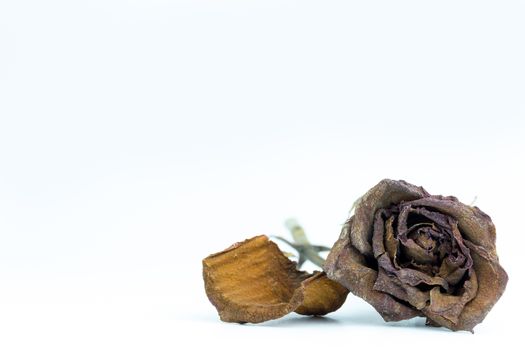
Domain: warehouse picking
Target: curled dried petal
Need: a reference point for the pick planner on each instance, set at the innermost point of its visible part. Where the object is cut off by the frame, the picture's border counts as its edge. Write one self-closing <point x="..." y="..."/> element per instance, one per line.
<point x="252" y="281"/>
<point x="321" y="295"/>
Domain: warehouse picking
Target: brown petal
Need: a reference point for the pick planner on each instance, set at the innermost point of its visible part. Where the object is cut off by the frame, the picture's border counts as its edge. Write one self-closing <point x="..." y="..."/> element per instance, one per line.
<point x="347" y="265"/>
<point x="380" y="196"/>
<point x="410" y="276"/>
<point x="395" y="287"/>
<point x="412" y="250"/>
<point x="252" y="281"/>
<point x="450" y="306"/>
<point x="451" y="271"/>
<point x="321" y="295"/>
<point x="391" y="244"/>
<point x="492" y="280"/>
<point x="475" y="225"/>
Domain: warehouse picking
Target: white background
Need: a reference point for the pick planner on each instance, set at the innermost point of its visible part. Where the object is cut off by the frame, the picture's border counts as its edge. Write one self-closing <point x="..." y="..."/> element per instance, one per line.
<point x="137" y="137"/>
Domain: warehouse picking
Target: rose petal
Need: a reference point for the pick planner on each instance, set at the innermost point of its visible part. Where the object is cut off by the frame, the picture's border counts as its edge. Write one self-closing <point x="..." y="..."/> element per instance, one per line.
<point x="391" y="244"/>
<point x="445" y="308"/>
<point x="385" y="282"/>
<point x="380" y="196"/>
<point x="347" y="265"/>
<point x="378" y="245"/>
<point x="252" y="281"/>
<point x="321" y="295"/>
<point x="408" y="208"/>
<point x="412" y="250"/>
<point x="451" y="271"/>
<point x="475" y="225"/>
<point x="410" y="276"/>
<point x="392" y="285"/>
<point x="492" y="280"/>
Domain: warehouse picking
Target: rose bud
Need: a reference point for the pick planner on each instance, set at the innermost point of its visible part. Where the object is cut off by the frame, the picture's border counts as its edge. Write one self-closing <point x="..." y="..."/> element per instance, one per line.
<point x="409" y="253"/>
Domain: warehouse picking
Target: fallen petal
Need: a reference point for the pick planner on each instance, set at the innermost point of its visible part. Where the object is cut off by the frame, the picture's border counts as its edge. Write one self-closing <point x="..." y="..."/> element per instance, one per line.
<point x="321" y="295"/>
<point x="253" y="281"/>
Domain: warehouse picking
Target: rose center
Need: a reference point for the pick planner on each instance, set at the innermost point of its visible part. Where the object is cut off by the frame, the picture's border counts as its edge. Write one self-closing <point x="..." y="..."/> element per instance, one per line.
<point x="422" y="235"/>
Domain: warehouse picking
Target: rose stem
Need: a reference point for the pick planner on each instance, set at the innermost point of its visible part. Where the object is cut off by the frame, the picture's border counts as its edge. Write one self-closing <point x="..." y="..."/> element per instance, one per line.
<point x="306" y="250"/>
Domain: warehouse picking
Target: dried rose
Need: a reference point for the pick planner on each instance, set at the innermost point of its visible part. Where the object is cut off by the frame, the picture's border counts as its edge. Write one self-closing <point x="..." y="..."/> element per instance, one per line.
<point x="252" y="281"/>
<point x="409" y="253"/>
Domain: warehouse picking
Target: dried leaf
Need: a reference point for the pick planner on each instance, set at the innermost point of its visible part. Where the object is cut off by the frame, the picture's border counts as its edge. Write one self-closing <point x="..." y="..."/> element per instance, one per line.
<point x="252" y="281"/>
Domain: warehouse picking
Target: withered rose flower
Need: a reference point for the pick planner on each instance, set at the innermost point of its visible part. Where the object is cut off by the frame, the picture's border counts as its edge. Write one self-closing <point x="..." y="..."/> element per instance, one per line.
<point x="409" y="253"/>
<point x="253" y="281"/>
